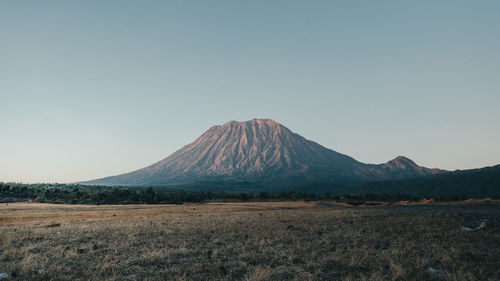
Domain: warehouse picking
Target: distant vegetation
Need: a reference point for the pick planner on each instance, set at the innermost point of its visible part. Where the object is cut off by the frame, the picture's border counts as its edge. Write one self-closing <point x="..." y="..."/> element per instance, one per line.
<point x="83" y="194"/>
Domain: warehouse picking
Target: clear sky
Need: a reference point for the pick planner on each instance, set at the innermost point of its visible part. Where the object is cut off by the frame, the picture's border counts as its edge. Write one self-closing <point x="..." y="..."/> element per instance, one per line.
<point x="96" y="88"/>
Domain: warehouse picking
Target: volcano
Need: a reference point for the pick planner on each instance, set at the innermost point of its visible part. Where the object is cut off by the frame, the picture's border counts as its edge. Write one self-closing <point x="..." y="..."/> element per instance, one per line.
<point x="261" y="153"/>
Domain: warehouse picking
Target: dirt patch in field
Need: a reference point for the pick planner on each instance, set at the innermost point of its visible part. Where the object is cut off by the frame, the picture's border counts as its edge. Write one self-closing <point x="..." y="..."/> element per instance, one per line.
<point x="16" y="213"/>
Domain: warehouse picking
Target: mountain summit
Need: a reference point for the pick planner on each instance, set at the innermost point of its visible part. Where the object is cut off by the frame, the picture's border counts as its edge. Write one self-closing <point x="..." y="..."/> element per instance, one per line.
<point x="261" y="152"/>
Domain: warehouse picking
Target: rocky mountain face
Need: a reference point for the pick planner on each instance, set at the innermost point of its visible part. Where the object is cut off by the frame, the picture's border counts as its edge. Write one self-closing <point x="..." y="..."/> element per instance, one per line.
<point x="263" y="152"/>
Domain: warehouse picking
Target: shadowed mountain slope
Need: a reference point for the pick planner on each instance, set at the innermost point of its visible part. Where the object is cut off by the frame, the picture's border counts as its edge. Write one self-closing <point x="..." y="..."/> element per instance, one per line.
<point x="476" y="183"/>
<point x="261" y="152"/>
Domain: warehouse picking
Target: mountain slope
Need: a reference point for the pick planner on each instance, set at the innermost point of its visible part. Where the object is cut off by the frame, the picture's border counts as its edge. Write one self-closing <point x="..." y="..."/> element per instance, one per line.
<point x="483" y="182"/>
<point x="264" y="152"/>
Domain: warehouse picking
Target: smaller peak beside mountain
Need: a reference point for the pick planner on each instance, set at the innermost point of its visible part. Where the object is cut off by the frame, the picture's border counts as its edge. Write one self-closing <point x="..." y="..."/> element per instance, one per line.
<point x="403" y="167"/>
<point x="402" y="162"/>
<point x="402" y="158"/>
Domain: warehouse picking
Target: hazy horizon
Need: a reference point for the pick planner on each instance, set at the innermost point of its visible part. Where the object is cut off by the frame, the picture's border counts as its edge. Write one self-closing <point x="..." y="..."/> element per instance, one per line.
<point x="92" y="89"/>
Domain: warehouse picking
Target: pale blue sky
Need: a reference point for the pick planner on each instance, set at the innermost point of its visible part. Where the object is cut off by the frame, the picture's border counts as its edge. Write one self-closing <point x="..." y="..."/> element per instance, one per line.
<point x="96" y="88"/>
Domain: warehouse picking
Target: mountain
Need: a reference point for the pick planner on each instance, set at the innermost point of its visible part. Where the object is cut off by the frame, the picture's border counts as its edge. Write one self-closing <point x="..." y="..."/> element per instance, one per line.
<point x="261" y="153"/>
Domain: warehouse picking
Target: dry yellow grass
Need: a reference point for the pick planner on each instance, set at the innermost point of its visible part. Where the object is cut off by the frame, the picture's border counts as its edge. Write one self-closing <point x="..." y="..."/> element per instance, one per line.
<point x="248" y="241"/>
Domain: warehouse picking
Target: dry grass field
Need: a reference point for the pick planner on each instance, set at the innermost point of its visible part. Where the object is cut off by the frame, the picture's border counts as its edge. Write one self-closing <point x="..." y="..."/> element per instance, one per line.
<point x="250" y="241"/>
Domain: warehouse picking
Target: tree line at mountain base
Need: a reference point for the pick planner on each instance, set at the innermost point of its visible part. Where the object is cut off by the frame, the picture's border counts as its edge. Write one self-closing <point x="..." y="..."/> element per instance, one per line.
<point x="81" y="194"/>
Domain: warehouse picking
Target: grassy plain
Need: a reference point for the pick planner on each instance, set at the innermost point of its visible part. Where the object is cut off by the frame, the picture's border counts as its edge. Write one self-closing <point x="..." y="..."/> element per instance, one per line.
<point x="250" y="241"/>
